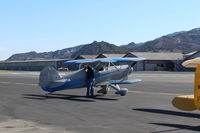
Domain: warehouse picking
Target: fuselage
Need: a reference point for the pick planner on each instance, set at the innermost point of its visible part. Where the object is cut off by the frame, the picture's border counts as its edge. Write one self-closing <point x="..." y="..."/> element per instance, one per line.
<point x="78" y="79"/>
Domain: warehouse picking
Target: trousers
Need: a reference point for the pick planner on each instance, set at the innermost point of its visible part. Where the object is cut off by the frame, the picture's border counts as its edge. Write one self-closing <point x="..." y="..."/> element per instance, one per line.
<point x="90" y="87"/>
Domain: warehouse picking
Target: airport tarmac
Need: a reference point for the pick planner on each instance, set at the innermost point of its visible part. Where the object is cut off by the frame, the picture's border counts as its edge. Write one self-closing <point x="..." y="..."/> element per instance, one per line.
<point x="145" y="109"/>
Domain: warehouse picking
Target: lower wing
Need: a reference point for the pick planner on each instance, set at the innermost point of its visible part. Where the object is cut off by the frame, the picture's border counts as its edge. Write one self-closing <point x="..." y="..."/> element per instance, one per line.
<point x="190" y="102"/>
<point x="184" y="102"/>
<point x="124" y="81"/>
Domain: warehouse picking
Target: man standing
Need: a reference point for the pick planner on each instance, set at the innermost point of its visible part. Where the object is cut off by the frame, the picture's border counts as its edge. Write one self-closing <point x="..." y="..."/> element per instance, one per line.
<point x="90" y="81"/>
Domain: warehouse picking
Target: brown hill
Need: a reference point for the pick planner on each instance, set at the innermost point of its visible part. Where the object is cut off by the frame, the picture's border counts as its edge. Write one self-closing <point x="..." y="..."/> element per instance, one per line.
<point x="185" y="42"/>
<point x="96" y="48"/>
<point x="59" y="54"/>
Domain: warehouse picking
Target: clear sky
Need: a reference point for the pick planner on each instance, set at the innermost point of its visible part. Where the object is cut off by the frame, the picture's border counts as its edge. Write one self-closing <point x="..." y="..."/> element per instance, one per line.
<point x="48" y="25"/>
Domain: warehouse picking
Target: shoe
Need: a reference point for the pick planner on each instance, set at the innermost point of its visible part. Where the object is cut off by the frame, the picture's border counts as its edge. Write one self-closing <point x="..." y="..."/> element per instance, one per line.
<point x="92" y="96"/>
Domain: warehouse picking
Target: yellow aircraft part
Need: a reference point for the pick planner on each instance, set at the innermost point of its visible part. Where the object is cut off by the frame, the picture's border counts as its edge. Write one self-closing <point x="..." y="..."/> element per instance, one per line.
<point x="190" y="102"/>
<point x="197" y="87"/>
<point x="193" y="63"/>
<point x="184" y="102"/>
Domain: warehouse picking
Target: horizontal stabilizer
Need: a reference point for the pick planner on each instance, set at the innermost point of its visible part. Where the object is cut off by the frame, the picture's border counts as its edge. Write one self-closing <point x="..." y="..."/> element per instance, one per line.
<point x="184" y="102"/>
<point x="124" y="81"/>
<point x="60" y="81"/>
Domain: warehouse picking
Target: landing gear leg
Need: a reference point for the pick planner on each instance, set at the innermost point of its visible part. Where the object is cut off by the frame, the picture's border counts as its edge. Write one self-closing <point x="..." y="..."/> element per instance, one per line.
<point x="120" y="91"/>
<point x="104" y="89"/>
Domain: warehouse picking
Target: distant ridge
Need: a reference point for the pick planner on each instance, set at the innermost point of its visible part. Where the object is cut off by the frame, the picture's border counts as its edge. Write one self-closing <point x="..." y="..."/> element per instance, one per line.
<point x="91" y="49"/>
<point x="131" y="45"/>
<point x="184" y="42"/>
<point x="58" y="54"/>
<point x="102" y="47"/>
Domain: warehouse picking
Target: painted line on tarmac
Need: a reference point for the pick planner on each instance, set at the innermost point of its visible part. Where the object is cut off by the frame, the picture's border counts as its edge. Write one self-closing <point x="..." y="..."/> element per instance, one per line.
<point x="157" y="93"/>
<point x="18" y="83"/>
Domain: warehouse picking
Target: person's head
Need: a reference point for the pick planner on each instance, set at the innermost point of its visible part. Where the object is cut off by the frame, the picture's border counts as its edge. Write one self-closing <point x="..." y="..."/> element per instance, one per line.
<point x="86" y="67"/>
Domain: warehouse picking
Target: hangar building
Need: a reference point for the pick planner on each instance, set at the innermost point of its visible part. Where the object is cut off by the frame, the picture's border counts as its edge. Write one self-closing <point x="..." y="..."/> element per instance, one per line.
<point x="31" y="65"/>
<point x="157" y="61"/>
<point x="153" y="62"/>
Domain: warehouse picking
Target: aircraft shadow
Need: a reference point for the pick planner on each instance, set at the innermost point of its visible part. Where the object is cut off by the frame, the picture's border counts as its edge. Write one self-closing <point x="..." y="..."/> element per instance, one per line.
<point x="96" y="97"/>
<point x="174" y="113"/>
<point x="178" y="126"/>
<point x="77" y="98"/>
<point x="168" y="112"/>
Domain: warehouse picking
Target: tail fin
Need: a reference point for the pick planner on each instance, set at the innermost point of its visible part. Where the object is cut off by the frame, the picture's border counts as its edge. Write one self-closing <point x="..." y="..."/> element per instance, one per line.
<point x="48" y="75"/>
<point x="190" y="102"/>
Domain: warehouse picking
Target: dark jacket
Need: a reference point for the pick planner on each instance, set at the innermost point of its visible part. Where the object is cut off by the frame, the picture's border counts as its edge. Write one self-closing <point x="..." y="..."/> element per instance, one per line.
<point x="90" y="73"/>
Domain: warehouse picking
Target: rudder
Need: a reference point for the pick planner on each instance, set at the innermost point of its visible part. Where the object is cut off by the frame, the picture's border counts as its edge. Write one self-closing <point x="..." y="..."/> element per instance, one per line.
<point x="47" y="76"/>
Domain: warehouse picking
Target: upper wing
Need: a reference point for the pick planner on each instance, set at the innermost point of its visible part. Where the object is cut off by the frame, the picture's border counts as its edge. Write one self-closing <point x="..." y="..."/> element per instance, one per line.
<point x="124" y="82"/>
<point x="72" y="62"/>
<point x="126" y="59"/>
<point x="193" y="63"/>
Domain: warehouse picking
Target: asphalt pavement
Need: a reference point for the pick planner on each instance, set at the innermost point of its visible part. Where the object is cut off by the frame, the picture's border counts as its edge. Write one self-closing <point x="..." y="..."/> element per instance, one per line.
<point x="145" y="109"/>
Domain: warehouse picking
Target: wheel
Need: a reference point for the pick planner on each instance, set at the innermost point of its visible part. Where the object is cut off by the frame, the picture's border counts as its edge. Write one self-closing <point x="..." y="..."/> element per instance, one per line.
<point x="123" y="94"/>
<point x="46" y="96"/>
<point x="105" y="92"/>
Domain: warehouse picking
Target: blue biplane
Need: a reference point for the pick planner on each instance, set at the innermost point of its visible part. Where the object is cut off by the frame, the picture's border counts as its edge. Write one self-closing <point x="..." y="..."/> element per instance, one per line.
<point x="109" y="73"/>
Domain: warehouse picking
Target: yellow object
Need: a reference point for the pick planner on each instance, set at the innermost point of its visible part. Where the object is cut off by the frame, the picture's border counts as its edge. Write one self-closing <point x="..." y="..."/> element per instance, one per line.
<point x="184" y="102"/>
<point x="193" y="63"/>
<point x="190" y="102"/>
<point x="197" y="87"/>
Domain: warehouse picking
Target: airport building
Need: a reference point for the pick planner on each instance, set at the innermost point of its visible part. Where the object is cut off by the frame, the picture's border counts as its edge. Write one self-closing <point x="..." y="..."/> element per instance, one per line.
<point x="86" y="57"/>
<point x="110" y="55"/>
<point x="157" y="61"/>
<point x="31" y="65"/>
<point x="100" y="56"/>
<point x="153" y="62"/>
<point x="189" y="56"/>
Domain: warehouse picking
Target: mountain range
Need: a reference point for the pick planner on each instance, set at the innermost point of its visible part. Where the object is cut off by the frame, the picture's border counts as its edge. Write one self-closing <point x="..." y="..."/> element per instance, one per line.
<point x="58" y="54"/>
<point x="184" y="42"/>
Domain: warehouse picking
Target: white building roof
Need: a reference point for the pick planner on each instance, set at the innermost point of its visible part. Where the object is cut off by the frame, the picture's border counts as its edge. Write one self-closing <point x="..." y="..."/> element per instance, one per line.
<point x="157" y="56"/>
<point x="86" y="56"/>
<point x="111" y="55"/>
